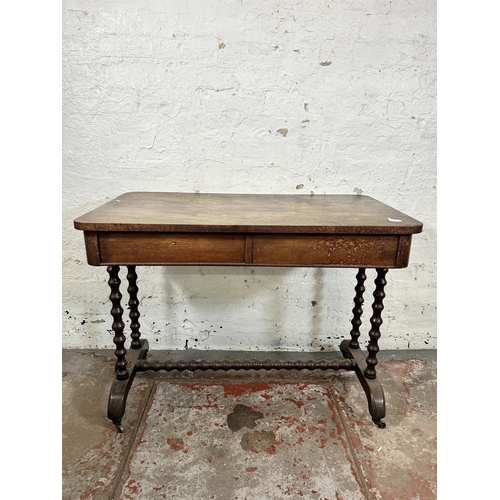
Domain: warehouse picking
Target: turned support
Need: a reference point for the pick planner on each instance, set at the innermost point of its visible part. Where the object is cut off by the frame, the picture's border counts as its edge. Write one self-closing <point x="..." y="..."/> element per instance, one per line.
<point x="134" y="308"/>
<point x="118" y="325"/>
<point x="358" y="308"/>
<point x="376" y="321"/>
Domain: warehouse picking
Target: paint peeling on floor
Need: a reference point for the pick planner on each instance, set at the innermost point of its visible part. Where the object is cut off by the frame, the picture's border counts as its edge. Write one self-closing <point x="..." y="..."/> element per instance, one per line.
<point x="400" y="461"/>
<point x="92" y="449"/>
<point x="243" y="416"/>
<point x="249" y="435"/>
<point x="294" y="444"/>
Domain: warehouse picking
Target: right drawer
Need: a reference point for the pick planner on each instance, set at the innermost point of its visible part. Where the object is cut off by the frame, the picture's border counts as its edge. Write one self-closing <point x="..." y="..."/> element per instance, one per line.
<point x="325" y="250"/>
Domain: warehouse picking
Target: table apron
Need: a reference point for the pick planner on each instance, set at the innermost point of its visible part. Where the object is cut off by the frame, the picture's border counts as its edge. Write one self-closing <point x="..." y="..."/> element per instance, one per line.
<point x="238" y="249"/>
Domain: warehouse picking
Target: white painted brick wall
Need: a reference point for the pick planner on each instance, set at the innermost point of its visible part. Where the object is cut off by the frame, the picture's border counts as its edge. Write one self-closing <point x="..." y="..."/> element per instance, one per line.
<point x="250" y="96"/>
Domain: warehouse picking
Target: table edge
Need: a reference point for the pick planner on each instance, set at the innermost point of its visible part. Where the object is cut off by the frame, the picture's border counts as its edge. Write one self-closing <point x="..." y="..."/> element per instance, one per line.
<point x="249" y="229"/>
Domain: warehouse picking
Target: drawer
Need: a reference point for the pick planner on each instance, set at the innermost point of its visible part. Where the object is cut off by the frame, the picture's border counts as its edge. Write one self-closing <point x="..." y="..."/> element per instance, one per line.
<point x="325" y="250"/>
<point x="170" y="248"/>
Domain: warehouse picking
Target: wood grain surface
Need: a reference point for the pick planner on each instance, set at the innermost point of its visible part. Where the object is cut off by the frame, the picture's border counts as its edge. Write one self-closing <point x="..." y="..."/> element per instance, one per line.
<point x="247" y="213"/>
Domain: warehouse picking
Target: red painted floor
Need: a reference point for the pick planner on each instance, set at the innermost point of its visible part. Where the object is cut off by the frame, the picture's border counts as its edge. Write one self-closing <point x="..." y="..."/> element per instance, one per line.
<point x="250" y="435"/>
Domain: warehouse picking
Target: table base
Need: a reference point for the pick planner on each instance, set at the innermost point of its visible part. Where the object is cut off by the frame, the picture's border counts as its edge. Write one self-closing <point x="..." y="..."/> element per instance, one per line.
<point x="130" y="362"/>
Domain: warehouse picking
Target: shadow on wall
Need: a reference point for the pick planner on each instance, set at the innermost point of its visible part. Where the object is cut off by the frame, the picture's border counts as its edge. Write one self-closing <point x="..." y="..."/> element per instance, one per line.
<point x="203" y="303"/>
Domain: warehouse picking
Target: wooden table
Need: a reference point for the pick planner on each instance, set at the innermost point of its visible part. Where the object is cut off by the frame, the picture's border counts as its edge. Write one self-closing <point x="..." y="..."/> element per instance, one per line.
<point x="168" y="229"/>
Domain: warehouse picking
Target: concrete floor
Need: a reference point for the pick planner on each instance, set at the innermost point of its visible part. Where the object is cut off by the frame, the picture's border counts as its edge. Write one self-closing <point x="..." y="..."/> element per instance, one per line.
<point x="250" y="434"/>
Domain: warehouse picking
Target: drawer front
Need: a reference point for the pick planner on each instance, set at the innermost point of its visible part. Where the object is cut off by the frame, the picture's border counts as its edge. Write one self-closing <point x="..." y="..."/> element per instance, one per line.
<point x="171" y="248"/>
<point x="325" y="250"/>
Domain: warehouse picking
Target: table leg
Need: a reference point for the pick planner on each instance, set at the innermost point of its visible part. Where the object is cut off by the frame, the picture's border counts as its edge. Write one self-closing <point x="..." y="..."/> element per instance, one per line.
<point x="134" y="308"/>
<point x="376" y="321"/>
<point x="351" y="350"/>
<point x="125" y="361"/>
<point x="118" y="325"/>
<point x="358" y="308"/>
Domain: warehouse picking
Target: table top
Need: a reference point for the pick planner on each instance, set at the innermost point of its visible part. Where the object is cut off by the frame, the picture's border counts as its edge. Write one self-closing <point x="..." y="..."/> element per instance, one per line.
<point x="247" y="213"/>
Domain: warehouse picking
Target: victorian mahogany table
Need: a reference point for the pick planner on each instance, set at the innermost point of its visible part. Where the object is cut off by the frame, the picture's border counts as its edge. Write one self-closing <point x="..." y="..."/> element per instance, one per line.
<point x="169" y="229"/>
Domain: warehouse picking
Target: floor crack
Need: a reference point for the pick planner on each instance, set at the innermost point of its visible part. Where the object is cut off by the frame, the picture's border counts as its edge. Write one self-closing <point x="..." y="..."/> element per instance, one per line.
<point x="350" y="444"/>
<point x="128" y="452"/>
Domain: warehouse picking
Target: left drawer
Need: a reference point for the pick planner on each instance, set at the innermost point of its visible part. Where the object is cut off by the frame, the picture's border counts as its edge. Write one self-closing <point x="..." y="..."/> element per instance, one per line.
<point x="167" y="248"/>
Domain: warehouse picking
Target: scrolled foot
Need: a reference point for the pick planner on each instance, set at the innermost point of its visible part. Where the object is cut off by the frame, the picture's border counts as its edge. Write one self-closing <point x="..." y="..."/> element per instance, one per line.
<point x="380" y="424"/>
<point x="120" y="388"/>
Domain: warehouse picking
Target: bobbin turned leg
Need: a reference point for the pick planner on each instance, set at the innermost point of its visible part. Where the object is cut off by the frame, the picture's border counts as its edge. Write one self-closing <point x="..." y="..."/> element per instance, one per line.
<point x="125" y="362"/>
<point x="134" y="308"/>
<point x="358" y="308"/>
<point x="118" y="325"/>
<point x="350" y="349"/>
<point x="376" y="321"/>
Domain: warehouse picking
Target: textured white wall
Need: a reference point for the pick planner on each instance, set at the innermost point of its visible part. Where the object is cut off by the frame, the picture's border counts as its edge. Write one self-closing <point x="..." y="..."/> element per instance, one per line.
<point x="250" y="96"/>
